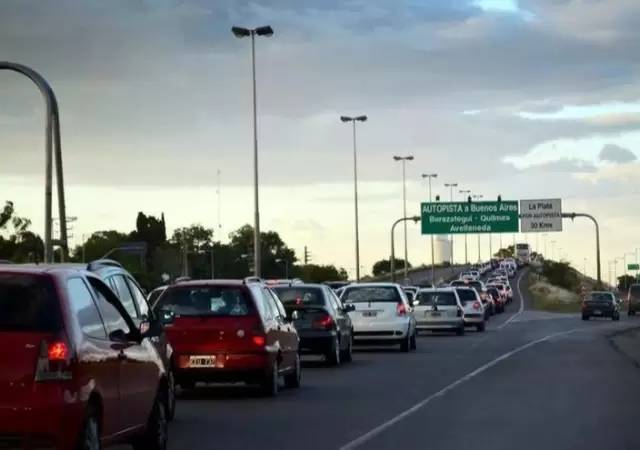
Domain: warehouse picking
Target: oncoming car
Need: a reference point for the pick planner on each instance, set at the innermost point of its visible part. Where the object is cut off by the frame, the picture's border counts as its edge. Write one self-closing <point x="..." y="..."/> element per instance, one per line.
<point x="439" y="309"/>
<point x="382" y="315"/>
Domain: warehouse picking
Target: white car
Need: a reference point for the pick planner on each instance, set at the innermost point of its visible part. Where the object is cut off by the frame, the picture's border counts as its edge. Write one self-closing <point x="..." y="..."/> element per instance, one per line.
<point x="382" y="315"/>
<point x="439" y="309"/>
<point x="472" y="275"/>
<point x="473" y="310"/>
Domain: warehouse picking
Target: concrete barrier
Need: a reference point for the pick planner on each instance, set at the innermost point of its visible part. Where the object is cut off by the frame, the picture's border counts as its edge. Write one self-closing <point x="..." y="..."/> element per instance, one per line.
<point x="424" y="274"/>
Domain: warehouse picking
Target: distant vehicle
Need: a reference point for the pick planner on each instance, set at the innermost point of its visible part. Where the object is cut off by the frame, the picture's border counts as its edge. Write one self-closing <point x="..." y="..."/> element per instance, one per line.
<point x="228" y="331"/>
<point x="283" y="282"/>
<point x="523" y="253"/>
<point x="439" y="309"/>
<point x="633" y="299"/>
<point x="68" y="349"/>
<point x="382" y="315"/>
<point x="475" y="314"/>
<point x="322" y="321"/>
<point x="600" y="304"/>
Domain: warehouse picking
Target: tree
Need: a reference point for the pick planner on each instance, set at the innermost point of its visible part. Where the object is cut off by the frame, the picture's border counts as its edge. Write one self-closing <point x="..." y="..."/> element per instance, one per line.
<point x="21" y="244"/>
<point x="272" y="249"/>
<point x="561" y="274"/>
<point x="384" y="266"/>
<point x="505" y="252"/>
<point x="315" y="273"/>
<point x="625" y="281"/>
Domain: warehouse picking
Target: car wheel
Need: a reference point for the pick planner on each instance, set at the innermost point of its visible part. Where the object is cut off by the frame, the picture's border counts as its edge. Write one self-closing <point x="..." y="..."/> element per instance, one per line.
<point x="480" y="327"/>
<point x="270" y="385"/>
<point x="347" y="355"/>
<point x="155" y="434"/>
<point x="413" y="343"/>
<point x="89" y="437"/>
<point x="171" y="395"/>
<point x="333" y="357"/>
<point x="405" y="345"/>
<point x="292" y="380"/>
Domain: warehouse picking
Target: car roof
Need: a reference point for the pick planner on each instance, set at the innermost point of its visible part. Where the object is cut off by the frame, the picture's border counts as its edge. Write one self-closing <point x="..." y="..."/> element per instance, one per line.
<point x="440" y="289"/>
<point x="298" y="285"/>
<point x="216" y="282"/>
<point x="374" y="284"/>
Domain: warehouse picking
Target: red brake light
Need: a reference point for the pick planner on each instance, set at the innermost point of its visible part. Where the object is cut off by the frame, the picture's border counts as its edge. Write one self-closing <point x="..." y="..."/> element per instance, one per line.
<point x="57" y="351"/>
<point x="298" y="300"/>
<point x="258" y="340"/>
<point x="476" y="305"/>
<point x="401" y="309"/>
<point x="324" y="322"/>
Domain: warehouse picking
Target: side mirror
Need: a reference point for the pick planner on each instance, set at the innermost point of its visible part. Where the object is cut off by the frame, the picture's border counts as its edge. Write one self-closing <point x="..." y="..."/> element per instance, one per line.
<point x="349" y="307"/>
<point x="415" y="302"/>
<point x="166" y="317"/>
<point x="119" y="336"/>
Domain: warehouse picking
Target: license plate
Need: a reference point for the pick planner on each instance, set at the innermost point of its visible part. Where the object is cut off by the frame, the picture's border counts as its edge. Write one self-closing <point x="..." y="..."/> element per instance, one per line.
<point x="199" y="362"/>
<point x="436" y="314"/>
<point x="370" y="314"/>
<point x="597" y="312"/>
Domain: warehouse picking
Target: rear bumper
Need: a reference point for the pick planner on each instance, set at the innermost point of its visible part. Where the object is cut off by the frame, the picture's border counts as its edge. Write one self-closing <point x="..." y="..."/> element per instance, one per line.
<point x="41" y="425"/>
<point x="473" y="318"/>
<point x="229" y="368"/>
<point x="449" y="324"/>
<point x="603" y="313"/>
<point x="390" y="332"/>
<point x="314" y="342"/>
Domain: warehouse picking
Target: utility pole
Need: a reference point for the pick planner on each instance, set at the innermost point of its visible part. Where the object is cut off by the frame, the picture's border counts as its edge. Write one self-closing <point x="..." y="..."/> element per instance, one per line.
<point x="465" y="193"/>
<point x="307" y="256"/>
<point x="478" y="197"/>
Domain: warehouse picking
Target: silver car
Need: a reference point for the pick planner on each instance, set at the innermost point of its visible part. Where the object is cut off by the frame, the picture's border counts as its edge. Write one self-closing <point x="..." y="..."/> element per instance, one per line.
<point x="472" y="308"/>
<point x="439" y="309"/>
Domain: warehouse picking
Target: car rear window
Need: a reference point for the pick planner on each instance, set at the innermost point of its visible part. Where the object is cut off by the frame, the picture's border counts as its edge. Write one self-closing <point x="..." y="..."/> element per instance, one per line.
<point x="28" y="302"/>
<point x="289" y="296"/>
<point x="206" y="301"/>
<point x="467" y="295"/>
<point x="154" y="295"/>
<point x="493" y="292"/>
<point x="634" y="290"/>
<point x="437" y="298"/>
<point x="599" y="297"/>
<point x="371" y="294"/>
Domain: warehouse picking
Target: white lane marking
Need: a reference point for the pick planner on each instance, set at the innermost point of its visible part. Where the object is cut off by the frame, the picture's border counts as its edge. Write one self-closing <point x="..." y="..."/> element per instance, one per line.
<point x="521" y="310"/>
<point x="368" y="436"/>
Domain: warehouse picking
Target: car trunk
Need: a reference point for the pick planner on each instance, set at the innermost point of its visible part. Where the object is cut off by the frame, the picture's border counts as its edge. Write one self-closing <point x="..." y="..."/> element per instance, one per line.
<point x="307" y="316"/>
<point x="368" y="311"/>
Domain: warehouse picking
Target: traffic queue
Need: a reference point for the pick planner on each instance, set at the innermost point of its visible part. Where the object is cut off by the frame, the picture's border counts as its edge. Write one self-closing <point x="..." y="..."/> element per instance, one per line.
<point x="91" y="361"/>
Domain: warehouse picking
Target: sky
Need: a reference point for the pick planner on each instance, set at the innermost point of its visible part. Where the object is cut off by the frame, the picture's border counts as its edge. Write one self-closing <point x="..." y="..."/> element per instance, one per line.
<point x="528" y="100"/>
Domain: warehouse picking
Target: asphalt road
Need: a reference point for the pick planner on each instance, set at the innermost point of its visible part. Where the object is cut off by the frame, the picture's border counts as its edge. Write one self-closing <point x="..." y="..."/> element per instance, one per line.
<point x="533" y="380"/>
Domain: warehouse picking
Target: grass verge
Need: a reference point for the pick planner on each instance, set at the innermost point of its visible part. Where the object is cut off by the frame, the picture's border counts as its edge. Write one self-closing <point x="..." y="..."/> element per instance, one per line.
<point x="546" y="297"/>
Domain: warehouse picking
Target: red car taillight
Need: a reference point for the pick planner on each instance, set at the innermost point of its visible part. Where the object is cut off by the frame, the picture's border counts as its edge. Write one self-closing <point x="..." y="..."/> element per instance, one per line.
<point x="401" y="309"/>
<point x="476" y="305"/>
<point x="54" y="362"/>
<point x="324" y="322"/>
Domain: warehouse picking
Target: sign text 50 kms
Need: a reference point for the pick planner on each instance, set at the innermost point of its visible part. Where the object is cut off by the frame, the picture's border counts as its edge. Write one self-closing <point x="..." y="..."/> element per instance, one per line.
<point x="464" y="217"/>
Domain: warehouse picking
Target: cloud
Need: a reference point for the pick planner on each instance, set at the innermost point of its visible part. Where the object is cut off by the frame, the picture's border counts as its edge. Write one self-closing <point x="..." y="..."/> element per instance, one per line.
<point x="160" y="92"/>
<point x="564" y="165"/>
<point x="615" y="154"/>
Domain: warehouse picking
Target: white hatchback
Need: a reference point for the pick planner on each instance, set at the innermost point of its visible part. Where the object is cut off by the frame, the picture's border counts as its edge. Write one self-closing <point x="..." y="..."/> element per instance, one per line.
<point x="439" y="309"/>
<point x="382" y="315"/>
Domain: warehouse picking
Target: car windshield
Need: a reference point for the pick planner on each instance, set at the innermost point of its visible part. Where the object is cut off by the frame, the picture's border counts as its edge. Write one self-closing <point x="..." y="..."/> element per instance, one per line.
<point x="304" y="296"/>
<point x="28" y="303"/>
<point x="437" y="298"/>
<point x="493" y="292"/>
<point x="467" y="283"/>
<point x="205" y="301"/>
<point x="599" y="297"/>
<point x="371" y="294"/>
<point x="467" y="295"/>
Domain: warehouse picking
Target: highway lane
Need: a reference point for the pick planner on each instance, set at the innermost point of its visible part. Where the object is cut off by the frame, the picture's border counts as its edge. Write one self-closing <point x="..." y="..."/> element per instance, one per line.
<point x="507" y="402"/>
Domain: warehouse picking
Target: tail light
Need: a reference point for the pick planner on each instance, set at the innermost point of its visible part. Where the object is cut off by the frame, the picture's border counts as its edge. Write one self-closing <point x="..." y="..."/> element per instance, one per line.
<point x="459" y="311"/>
<point x="476" y="305"/>
<point x="54" y="362"/>
<point x="324" y="322"/>
<point x="258" y="336"/>
<point x="401" y="309"/>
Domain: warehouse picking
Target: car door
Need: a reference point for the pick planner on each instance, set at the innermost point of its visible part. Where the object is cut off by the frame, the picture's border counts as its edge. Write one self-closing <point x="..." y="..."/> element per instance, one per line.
<point x="285" y="330"/>
<point x="343" y="319"/>
<point x="139" y="376"/>
<point x="272" y="334"/>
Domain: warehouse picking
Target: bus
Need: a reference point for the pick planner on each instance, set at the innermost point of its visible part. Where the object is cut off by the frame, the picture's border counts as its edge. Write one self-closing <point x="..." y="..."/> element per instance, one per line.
<point x="523" y="253"/>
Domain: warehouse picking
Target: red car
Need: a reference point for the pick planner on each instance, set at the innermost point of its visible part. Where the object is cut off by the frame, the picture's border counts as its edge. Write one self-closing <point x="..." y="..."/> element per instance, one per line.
<point x="76" y="372"/>
<point x="227" y="331"/>
<point x="499" y="299"/>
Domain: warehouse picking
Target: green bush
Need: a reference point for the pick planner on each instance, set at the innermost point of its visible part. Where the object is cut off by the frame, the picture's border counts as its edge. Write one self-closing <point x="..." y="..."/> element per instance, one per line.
<point x="561" y="274"/>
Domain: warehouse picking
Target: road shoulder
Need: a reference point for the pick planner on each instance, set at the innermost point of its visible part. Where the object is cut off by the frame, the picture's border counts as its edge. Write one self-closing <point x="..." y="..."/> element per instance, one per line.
<point x="627" y="342"/>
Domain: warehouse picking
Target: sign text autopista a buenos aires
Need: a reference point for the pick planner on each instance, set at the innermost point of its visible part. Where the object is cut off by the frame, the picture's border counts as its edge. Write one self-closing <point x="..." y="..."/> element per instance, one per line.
<point x="465" y="217"/>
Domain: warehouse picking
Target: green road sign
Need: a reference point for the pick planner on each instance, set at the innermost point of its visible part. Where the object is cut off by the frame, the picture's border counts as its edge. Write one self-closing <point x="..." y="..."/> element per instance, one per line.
<point x="633" y="266"/>
<point x="465" y="217"/>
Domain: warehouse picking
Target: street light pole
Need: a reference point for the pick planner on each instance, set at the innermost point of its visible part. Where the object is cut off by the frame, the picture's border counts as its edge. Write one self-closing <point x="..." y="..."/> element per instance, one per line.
<point x="478" y="197"/>
<point x="451" y="186"/>
<point x="403" y="160"/>
<point x="392" y="259"/>
<point x="353" y="120"/>
<point x="465" y="193"/>
<point x="430" y="176"/>
<point x="239" y="32"/>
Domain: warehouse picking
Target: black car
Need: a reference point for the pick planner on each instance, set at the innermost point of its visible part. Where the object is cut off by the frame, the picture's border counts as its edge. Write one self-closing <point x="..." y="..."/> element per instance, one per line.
<point x="600" y="304"/>
<point x="321" y="319"/>
<point x="134" y="300"/>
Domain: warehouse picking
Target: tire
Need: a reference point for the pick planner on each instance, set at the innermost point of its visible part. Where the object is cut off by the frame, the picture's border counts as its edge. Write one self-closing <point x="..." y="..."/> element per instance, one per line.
<point x="631" y="313"/>
<point x="333" y="356"/>
<point x="413" y="342"/>
<point x="347" y="355"/>
<point x="405" y="345"/>
<point x="480" y="327"/>
<point x="171" y="396"/>
<point x="292" y="380"/>
<point x="89" y="436"/>
<point x="585" y="317"/>
<point x="155" y="434"/>
<point x="270" y="385"/>
<point x="460" y="331"/>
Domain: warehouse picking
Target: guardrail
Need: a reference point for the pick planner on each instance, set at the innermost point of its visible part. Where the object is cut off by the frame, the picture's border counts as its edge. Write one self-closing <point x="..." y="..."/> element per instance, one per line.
<point x="424" y="272"/>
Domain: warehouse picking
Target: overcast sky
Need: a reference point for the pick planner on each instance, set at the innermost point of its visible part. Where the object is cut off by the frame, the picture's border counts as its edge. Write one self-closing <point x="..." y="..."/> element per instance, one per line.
<point x="528" y="99"/>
